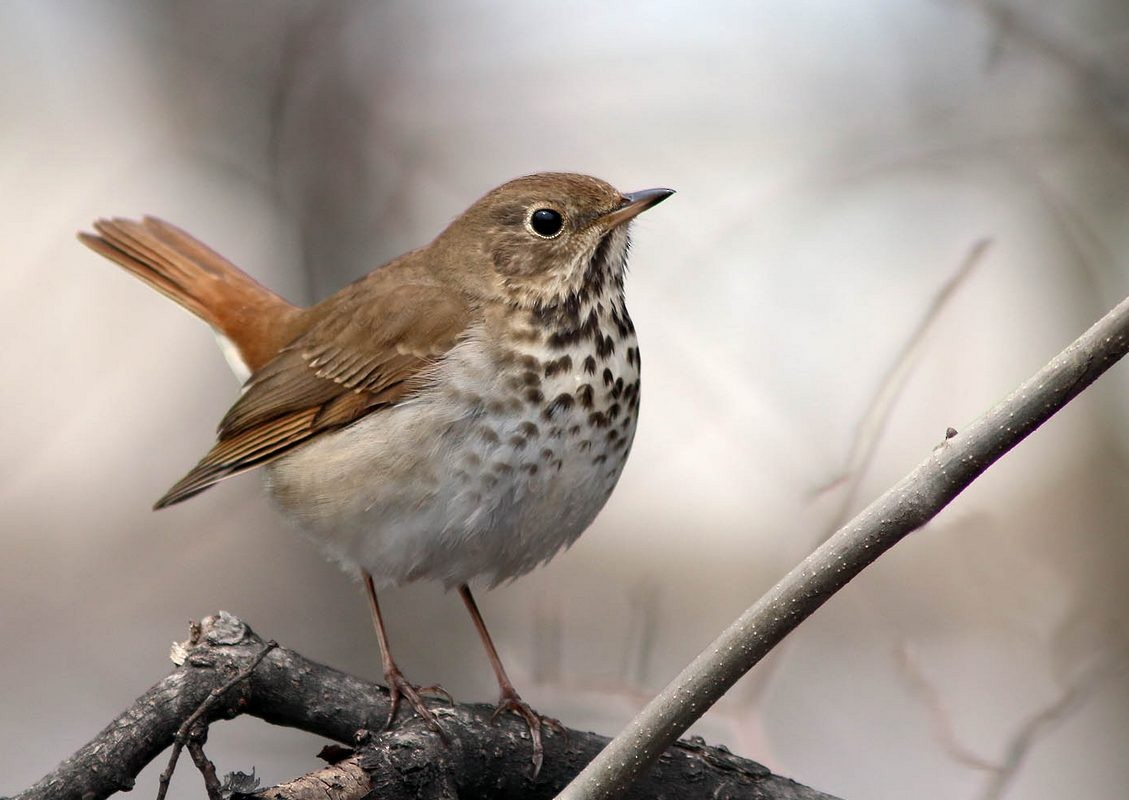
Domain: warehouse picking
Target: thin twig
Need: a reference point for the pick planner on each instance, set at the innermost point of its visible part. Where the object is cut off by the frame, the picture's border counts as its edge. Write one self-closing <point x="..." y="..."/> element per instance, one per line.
<point x="870" y="427"/>
<point x="951" y="467"/>
<point x="942" y="723"/>
<point x="183" y="732"/>
<point x="1059" y="709"/>
<point x="206" y="767"/>
<point x="877" y="415"/>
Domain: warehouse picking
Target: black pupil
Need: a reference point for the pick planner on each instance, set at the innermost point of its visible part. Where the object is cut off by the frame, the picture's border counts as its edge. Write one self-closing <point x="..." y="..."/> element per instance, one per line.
<point x="546" y="222"/>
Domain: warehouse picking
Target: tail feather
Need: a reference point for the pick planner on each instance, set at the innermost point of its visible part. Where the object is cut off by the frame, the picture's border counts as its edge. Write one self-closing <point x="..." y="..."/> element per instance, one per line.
<point x="254" y="319"/>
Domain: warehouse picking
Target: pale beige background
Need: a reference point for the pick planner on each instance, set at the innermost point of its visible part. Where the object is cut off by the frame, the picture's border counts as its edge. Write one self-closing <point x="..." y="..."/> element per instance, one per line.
<point x="834" y="161"/>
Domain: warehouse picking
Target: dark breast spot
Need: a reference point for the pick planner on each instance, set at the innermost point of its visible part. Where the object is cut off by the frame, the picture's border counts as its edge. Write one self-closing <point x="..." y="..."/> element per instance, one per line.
<point x="620" y="324"/>
<point x="562" y="364"/>
<point x="562" y="402"/>
<point x="560" y="339"/>
<point x="528" y="429"/>
<point x="591" y="326"/>
<point x="631" y="394"/>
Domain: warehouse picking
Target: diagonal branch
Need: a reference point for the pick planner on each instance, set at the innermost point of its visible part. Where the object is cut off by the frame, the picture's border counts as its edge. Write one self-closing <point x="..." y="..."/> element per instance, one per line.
<point x="904" y="508"/>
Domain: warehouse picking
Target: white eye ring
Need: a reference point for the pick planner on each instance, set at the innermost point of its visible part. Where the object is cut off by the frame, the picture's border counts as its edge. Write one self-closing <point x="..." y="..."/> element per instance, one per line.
<point x="544" y="222"/>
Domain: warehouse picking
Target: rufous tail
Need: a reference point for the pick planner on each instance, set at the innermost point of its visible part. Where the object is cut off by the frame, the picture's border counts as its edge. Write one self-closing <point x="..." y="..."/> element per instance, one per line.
<point x="254" y="319"/>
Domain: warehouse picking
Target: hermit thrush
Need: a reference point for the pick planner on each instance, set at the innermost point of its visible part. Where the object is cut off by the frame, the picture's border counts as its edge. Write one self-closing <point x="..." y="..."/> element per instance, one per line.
<point x="461" y="412"/>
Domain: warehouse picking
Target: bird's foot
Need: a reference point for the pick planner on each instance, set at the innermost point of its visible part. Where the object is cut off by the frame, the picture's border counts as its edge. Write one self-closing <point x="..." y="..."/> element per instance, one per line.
<point x="511" y="701"/>
<point x="399" y="687"/>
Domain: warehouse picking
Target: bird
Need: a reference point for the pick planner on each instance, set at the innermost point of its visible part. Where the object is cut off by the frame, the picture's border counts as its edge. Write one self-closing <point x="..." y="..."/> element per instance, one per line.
<point x="460" y="413"/>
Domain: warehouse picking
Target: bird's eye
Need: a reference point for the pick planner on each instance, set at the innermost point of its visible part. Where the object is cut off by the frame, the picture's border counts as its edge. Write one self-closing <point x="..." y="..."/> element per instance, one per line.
<point x="546" y="223"/>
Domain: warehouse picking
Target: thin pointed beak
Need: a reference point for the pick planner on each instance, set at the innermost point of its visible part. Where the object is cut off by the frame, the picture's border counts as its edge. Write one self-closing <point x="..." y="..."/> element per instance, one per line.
<point x="634" y="204"/>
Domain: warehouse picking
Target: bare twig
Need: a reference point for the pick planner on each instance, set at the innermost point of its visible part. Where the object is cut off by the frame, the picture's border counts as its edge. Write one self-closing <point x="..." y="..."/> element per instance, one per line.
<point x="911" y="503"/>
<point x="938" y="714"/>
<point x="869" y="429"/>
<point x="207" y="769"/>
<point x="874" y="420"/>
<point x="1020" y="744"/>
<point x="186" y="728"/>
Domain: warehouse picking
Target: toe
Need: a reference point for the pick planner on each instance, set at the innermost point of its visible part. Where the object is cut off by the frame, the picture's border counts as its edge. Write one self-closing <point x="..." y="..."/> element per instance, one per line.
<point x="512" y="702"/>
<point x="399" y="687"/>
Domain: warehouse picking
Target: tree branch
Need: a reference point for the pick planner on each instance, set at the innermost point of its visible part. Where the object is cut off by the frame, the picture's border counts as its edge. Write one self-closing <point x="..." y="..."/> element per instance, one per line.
<point x="911" y="503"/>
<point x="221" y="677"/>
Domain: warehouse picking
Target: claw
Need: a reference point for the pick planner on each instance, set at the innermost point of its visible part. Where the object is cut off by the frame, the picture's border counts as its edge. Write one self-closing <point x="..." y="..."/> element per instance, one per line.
<point x="511" y="701"/>
<point x="435" y="690"/>
<point x="399" y="687"/>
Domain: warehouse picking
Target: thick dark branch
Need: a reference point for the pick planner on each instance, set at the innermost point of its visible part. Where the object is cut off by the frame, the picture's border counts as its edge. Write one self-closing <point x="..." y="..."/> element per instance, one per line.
<point x="482" y="758"/>
<point x="912" y="502"/>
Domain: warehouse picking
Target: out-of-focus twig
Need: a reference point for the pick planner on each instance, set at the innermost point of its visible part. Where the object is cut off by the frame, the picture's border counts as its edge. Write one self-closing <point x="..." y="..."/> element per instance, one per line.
<point x="876" y="417"/>
<point x="938" y="715"/>
<point x="868" y="432"/>
<point x="1029" y="733"/>
<point x="1113" y="660"/>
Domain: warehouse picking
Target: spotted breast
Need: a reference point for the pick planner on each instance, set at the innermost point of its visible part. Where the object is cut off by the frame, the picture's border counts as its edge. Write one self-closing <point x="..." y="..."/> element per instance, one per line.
<point x="501" y="462"/>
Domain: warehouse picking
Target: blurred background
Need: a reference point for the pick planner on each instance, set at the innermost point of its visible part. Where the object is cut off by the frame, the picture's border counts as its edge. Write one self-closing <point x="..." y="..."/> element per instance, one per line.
<point x="816" y="306"/>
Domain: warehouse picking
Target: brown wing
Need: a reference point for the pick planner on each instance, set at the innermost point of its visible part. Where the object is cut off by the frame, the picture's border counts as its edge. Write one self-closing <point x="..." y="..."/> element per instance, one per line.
<point x="362" y="353"/>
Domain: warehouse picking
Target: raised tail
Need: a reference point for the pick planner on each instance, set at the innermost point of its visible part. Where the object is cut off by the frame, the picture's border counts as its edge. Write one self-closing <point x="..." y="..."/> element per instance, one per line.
<point x="256" y="321"/>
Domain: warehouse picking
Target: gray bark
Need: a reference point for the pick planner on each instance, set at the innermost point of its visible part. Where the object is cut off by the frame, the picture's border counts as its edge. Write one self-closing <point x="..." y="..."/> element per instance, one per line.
<point x="479" y="758"/>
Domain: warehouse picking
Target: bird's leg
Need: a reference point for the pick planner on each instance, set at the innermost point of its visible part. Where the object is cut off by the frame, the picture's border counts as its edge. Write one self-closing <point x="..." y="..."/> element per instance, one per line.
<point x="398" y="686"/>
<point x="510" y="700"/>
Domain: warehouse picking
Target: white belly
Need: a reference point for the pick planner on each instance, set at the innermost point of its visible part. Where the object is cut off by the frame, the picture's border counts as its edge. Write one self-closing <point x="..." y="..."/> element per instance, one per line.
<point x="469" y="479"/>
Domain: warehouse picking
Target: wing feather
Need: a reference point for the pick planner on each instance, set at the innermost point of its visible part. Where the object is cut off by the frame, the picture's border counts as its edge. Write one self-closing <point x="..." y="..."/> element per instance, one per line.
<point x="360" y="354"/>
